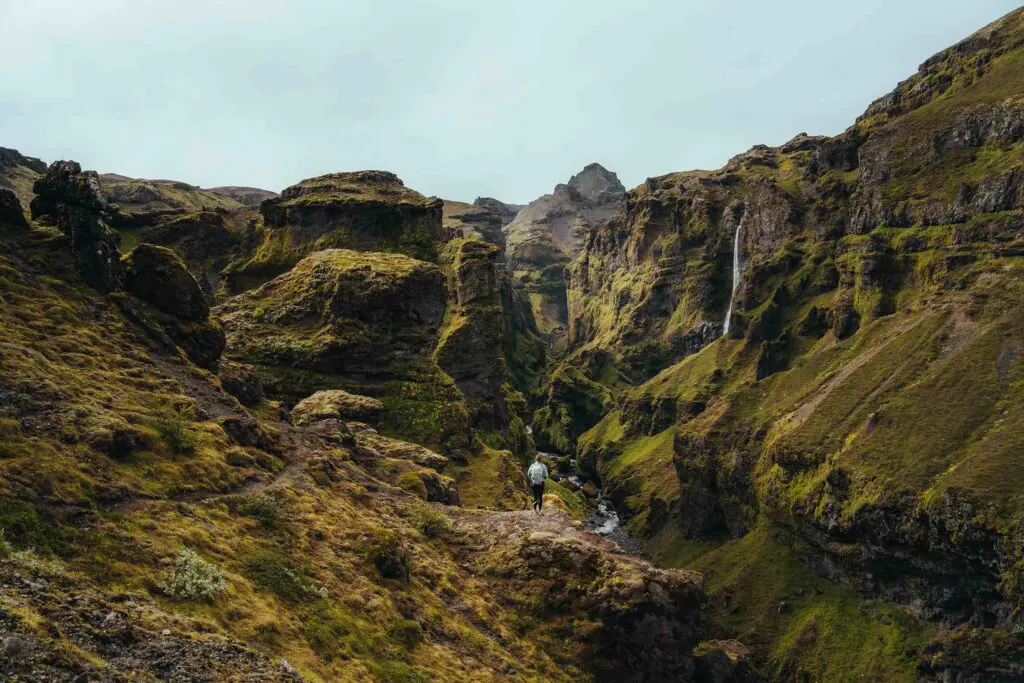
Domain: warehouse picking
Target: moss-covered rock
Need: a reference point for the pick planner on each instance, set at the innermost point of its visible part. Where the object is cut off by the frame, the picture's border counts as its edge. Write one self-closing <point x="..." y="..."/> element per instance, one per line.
<point x="574" y="403"/>
<point x="72" y="200"/>
<point x="241" y="381"/>
<point x="159" y="276"/>
<point x="360" y="321"/>
<point x="469" y="349"/>
<point x="11" y="213"/>
<point x="362" y="210"/>
<point x="338" y="405"/>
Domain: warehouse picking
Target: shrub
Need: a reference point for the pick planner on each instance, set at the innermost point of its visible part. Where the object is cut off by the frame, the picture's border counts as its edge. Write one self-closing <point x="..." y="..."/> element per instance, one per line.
<point x="406" y="633"/>
<point x="174" y="430"/>
<point x="384" y="548"/>
<point x="430" y="522"/>
<point x="262" y="506"/>
<point x="21" y="524"/>
<point x="193" y="578"/>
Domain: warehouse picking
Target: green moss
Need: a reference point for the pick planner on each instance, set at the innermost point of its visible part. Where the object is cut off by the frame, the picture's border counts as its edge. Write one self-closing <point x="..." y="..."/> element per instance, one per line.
<point x="413" y="483"/>
<point x="281" y="576"/>
<point x="22" y="526"/>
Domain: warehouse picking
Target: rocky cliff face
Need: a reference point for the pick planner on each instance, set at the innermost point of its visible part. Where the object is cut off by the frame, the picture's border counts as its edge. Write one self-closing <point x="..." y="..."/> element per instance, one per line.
<point x="469" y="220"/>
<point x="365" y="210"/>
<point x="548" y="233"/>
<point x="859" y="415"/>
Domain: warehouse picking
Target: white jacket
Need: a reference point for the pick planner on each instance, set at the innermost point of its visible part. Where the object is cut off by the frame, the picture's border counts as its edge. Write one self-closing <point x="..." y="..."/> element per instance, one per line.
<point x="537" y="473"/>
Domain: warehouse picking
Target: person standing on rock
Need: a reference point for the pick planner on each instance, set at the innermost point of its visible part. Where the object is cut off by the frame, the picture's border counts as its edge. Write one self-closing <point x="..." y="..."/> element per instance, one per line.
<point x="537" y="474"/>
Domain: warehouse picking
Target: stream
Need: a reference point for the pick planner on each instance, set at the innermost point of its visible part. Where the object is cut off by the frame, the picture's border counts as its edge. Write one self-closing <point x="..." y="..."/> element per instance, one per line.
<point x="604" y="520"/>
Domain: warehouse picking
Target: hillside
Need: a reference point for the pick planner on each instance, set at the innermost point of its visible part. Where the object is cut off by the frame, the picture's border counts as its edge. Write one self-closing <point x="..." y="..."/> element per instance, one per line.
<point x="844" y="463"/>
<point x="168" y="515"/>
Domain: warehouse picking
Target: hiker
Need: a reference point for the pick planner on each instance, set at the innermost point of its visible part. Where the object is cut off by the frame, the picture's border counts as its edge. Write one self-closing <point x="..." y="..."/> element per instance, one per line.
<point x="537" y="473"/>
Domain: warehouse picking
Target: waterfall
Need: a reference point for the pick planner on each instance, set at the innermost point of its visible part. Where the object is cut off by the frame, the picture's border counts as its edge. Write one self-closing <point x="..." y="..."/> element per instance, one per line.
<point x="735" y="274"/>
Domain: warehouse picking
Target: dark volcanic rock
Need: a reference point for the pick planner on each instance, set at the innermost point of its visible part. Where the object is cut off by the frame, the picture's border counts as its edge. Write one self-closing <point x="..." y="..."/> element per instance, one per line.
<point x="241" y="381"/>
<point x="71" y="199"/>
<point x="159" y="276"/>
<point x="11" y="212"/>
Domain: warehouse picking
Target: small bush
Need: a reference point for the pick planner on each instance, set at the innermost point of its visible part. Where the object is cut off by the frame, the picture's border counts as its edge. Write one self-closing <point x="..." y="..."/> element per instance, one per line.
<point x="262" y="506"/>
<point x="174" y="430"/>
<point x="406" y="633"/>
<point x="384" y="548"/>
<point x="430" y="522"/>
<point x="21" y="524"/>
<point x="193" y="578"/>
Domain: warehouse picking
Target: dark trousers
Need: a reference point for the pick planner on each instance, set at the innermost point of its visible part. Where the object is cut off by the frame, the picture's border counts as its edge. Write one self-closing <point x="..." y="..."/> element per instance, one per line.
<point x="538" y="496"/>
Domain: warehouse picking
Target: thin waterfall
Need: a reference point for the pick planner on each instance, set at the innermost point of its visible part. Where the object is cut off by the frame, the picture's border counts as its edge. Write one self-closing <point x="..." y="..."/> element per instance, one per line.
<point x="735" y="274"/>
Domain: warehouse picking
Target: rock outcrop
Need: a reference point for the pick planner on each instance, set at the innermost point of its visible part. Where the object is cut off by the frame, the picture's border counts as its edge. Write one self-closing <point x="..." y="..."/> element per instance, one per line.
<point x="362" y="210"/>
<point x="247" y="196"/>
<point x="469" y="349"/>
<point x="336" y="404"/>
<point x="11" y="213"/>
<point x="462" y="220"/>
<point x="506" y="211"/>
<point x="158" y="276"/>
<point x="18" y="173"/>
<point x="359" y="321"/>
<point x="71" y="199"/>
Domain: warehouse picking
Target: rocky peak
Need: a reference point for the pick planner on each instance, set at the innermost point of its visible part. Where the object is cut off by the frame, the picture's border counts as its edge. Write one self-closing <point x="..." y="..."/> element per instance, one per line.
<point x="598" y="185"/>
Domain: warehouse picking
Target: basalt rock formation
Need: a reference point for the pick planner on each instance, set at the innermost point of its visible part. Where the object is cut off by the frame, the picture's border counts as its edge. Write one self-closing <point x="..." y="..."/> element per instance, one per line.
<point x="18" y="173"/>
<point x="548" y="233"/>
<point x="71" y="200"/>
<point x="470" y="220"/>
<point x="853" y="440"/>
<point x="11" y="213"/>
<point x="364" y="210"/>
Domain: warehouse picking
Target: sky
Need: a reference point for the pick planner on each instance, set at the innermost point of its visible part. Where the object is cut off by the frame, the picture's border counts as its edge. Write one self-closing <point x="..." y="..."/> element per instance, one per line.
<point x="461" y="98"/>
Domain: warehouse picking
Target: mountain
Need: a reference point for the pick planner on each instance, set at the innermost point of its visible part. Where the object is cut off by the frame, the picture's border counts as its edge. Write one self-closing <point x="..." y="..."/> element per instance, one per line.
<point x="841" y="455"/>
<point x="549" y="232"/>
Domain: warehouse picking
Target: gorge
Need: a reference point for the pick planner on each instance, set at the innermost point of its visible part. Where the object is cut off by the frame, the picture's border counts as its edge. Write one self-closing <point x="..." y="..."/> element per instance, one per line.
<point x="257" y="435"/>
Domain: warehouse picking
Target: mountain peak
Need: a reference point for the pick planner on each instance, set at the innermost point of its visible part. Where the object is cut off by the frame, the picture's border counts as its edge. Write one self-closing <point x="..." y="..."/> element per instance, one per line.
<point x="597" y="184"/>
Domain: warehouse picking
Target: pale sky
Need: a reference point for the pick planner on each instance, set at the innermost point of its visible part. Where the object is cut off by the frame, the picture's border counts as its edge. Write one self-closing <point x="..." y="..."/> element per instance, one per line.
<point x="461" y="97"/>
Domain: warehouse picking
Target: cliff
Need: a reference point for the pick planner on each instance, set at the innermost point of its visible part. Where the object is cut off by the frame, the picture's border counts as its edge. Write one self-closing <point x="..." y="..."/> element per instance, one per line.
<point x="853" y="439"/>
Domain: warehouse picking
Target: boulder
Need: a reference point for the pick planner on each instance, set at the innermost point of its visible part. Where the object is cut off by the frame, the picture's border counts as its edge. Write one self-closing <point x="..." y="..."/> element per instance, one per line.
<point x="241" y="381"/>
<point x="159" y="276"/>
<point x="336" y="404"/>
<point x="371" y="444"/>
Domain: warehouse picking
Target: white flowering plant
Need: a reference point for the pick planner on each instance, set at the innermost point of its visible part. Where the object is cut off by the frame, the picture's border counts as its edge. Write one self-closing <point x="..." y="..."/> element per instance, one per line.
<point x="193" y="578"/>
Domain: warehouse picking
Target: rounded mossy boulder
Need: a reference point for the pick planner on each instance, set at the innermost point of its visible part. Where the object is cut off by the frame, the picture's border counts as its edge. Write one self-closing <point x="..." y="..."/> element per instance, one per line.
<point x="158" y="275"/>
<point x="336" y="404"/>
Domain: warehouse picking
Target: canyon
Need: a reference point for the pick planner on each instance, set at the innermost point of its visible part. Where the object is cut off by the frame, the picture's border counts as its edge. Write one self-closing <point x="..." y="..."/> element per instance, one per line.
<point x="248" y="434"/>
